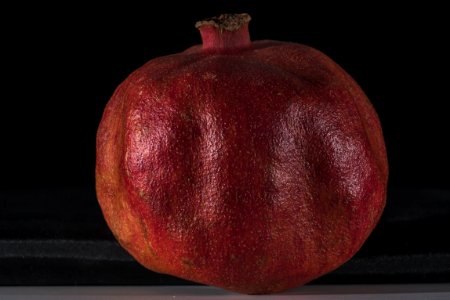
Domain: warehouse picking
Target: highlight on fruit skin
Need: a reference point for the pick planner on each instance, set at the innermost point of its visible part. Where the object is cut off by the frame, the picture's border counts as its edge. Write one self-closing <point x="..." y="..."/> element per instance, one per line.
<point x="255" y="166"/>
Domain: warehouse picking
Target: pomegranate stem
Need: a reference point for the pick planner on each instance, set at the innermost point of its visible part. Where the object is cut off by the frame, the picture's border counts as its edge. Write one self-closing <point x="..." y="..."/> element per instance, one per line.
<point x="225" y="32"/>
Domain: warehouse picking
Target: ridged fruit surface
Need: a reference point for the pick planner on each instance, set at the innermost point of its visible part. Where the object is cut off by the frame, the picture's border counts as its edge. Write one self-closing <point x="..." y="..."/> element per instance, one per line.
<point x="252" y="166"/>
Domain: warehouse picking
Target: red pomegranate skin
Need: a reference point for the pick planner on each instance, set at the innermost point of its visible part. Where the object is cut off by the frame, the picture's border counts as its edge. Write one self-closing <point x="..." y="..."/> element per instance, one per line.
<point x="251" y="166"/>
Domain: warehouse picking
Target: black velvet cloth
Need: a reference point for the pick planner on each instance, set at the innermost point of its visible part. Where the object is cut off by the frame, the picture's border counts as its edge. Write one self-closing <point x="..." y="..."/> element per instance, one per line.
<point x="59" y="237"/>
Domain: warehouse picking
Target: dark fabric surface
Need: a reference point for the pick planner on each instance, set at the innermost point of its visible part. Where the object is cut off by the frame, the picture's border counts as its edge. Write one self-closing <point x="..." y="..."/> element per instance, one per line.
<point x="52" y="237"/>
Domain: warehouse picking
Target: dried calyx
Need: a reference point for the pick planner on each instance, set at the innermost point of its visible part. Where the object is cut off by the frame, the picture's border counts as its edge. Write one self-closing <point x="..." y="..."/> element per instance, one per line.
<point x="229" y="22"/>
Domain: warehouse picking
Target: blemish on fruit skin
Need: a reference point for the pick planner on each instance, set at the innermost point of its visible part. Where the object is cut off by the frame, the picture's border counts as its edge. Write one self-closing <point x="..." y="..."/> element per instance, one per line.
<point x="209" y="76"/>
<point x="187" y="262"/>
<point x="255" y="171"/>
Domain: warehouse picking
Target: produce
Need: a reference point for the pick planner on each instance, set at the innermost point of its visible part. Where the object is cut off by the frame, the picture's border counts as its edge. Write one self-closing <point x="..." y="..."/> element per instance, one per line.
<point x="251" y="166"/>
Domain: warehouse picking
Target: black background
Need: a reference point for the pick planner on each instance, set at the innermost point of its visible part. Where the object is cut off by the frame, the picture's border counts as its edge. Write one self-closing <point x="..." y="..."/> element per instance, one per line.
<point x="62" y="63"/>
<point x="63" y="66"/>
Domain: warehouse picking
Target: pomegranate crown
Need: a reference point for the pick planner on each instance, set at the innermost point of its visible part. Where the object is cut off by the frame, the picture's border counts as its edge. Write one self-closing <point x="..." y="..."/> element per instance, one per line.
<point x="229" y="22"/>
<point x="225" y="33"/>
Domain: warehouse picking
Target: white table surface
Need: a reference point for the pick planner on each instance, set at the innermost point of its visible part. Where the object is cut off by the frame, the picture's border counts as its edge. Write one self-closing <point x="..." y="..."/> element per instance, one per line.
<point x="314" y="292"/>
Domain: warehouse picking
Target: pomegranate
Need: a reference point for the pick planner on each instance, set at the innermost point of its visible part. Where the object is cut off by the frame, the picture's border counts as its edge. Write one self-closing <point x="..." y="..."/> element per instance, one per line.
<point x="251" y="166"/>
